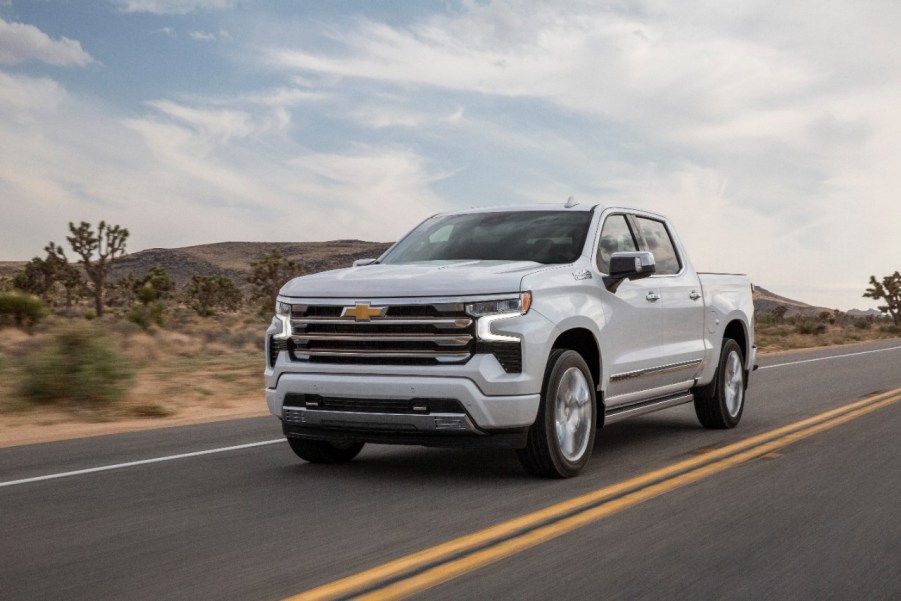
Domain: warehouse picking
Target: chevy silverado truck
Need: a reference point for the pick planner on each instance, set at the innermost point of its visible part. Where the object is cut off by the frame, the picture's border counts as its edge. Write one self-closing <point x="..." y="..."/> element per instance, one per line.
<point x="528" y="328"/>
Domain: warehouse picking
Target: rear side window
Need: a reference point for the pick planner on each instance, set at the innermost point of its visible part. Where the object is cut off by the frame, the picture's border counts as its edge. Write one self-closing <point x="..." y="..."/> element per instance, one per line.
<point x="659" y="242"/>
<point x="615" y="237"/>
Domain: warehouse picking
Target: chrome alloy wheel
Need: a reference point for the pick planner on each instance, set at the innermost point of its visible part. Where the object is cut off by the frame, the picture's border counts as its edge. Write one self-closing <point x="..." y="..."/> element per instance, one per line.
<point x="733" y="384"/>
<point x="573" y="415"/>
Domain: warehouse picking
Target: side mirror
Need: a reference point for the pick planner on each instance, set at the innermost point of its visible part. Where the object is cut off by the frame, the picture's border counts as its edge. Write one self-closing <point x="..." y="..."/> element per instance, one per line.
<point x="364" y="262"/>
<point x="629" y="266"/>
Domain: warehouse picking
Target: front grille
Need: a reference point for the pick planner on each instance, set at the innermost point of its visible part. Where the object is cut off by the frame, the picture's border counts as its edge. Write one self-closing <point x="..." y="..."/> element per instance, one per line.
<point x="422" y="334"/>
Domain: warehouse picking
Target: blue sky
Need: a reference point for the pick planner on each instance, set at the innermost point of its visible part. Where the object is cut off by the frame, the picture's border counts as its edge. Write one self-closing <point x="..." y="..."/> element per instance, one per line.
<point x="767" y="131"/>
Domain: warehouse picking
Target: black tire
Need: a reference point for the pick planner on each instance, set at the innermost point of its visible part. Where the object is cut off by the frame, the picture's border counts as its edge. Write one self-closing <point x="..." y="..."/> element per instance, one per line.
<point x="323" y="451"/>
<point x="562" y="438"/>
<point x="720" y="404"/>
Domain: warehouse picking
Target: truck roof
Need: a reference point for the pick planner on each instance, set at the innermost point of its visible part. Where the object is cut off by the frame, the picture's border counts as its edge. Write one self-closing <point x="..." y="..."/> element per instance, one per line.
<point x="556" y="206"/>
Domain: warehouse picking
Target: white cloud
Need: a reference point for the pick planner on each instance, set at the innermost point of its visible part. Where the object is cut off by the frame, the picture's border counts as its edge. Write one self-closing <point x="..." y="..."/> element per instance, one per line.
<point x="207" y="36"/>
<point x="167" y="31"/>
<point x="173" y="7"/>
<point x="20" y="42"/>
<point x="221" y="125"/>
<point x="190" y="173"/>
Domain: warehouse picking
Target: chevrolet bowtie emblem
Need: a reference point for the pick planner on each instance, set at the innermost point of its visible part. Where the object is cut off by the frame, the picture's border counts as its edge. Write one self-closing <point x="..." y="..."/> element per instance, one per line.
<point x="363" y="312"/>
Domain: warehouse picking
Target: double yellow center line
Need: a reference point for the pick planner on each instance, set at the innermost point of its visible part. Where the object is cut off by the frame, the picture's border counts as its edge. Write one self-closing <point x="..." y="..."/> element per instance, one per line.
<point x="419" y="571"/>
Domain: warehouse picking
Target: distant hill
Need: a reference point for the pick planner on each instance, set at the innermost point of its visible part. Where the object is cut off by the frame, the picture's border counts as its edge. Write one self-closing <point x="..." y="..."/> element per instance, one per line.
<point x="765" y="301"/>
<point x="233" y="259"/>
<point x="865" y="313"/>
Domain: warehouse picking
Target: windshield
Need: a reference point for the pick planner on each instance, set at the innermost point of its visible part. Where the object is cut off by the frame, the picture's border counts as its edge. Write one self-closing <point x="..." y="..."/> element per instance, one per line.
<point x="540" y="236"/>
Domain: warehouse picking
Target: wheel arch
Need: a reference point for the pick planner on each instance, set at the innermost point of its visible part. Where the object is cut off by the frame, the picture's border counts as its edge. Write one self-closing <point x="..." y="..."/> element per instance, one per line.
<point x="583" y="342"/>
<point x="737" y="331"/>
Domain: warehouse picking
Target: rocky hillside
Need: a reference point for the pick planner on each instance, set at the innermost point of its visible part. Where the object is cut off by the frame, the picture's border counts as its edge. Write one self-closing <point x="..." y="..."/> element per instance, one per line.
<point x="233" y="259"/>
<point x="765" y="301"/>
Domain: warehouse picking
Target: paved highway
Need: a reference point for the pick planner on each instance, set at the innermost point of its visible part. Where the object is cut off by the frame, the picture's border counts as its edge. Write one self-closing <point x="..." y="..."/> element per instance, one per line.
<point x="801" y="501"/>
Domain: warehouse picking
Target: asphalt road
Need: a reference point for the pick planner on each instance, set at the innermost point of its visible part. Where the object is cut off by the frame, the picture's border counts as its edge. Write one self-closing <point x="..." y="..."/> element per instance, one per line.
<point x="817" y="519"/>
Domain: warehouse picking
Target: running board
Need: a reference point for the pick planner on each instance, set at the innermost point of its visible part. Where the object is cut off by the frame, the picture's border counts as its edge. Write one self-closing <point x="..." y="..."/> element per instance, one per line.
<point x="620" y="413"/>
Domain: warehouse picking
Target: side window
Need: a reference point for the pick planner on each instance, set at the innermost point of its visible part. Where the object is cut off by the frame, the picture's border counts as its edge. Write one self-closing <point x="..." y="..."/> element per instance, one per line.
<point x="615" y="237"/>
<point x="659" y="243"/>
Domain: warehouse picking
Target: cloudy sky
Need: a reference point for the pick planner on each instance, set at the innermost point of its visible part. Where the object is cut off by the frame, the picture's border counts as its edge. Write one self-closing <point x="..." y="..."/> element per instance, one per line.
<point x="768" y="131"/>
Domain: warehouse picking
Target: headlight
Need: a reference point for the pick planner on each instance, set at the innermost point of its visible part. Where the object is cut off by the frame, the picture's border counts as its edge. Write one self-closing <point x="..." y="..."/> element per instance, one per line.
<point x="282" y="309"/>
<point x="489" y="312"/>
<point x="283" y="314"/>
<point x="517" y="305"/>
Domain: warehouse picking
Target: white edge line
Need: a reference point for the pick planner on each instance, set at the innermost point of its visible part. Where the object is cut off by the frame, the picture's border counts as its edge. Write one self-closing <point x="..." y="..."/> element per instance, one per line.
<point x="115" y="466"/>
<point x="881" y="350"/>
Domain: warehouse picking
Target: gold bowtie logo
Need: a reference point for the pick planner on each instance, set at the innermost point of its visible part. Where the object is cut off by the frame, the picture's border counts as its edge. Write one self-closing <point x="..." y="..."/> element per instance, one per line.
<point x="363" y="312"/>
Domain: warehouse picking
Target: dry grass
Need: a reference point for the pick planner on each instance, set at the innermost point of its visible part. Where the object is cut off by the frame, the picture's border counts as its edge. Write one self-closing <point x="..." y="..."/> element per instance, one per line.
<point x="788" y="336"/>
<point x="211" y="366"/>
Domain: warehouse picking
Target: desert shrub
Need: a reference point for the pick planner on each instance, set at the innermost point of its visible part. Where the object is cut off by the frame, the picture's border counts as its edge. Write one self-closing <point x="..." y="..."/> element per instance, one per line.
<point x="150" y="310"/>
<point x="862" y="324"/>
<point x="808" y="327"/>
<point x="78" y="367"/>
<point x="151" y="410"/>
<point x="890" y="329"/>
<point x="207" y="294"/>
<point x="147" y="315"/>
<point x="20" y="309"/>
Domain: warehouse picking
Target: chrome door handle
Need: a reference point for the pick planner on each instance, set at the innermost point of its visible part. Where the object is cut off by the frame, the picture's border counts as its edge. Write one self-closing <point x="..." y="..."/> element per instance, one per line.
<point x="653" y="297"/>
<point x="695" y="295"/>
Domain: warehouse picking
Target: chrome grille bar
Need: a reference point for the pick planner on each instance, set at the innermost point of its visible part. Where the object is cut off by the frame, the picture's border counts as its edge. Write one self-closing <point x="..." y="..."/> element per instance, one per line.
<point x="438" y="323"/>
<point x="448" y="340"/>
<point x="449" y="356"/>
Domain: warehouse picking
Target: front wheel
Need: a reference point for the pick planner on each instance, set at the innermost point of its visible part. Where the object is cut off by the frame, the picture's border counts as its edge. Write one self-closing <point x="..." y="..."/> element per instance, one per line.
<point x="323" y="451"/>
<point x="562" y="438"/>
<point x="720" y="403"/>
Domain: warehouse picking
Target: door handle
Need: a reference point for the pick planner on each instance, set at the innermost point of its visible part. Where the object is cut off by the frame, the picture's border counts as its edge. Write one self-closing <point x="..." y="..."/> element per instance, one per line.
<point x="652" y="297"/>
<point x="695" y="295"/>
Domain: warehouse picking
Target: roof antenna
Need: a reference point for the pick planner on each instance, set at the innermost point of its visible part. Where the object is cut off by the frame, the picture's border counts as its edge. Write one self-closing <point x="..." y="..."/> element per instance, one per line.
<point x="570" y="202"/>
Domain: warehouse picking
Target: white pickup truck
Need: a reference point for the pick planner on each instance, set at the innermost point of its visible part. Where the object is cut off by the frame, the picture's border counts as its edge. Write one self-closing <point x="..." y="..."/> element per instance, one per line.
<point x="526" y="327"/>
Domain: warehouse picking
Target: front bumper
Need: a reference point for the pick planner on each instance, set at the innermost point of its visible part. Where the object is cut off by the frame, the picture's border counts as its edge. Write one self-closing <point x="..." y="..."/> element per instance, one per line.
<point x="484" y="413"/>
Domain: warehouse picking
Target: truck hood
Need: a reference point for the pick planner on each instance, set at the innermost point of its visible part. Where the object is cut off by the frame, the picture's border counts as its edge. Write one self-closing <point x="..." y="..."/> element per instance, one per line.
<point x="439" y="278"/>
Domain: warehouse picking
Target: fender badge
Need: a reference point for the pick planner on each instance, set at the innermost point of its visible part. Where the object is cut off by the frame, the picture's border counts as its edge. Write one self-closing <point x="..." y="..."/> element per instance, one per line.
<point x="582" y="275"/>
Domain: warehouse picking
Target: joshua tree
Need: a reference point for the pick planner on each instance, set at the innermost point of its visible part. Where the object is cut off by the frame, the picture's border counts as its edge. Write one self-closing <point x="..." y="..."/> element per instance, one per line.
<point x="108" y="242"/>
<point x="269" y="274"/>
<point x="205" y="294"/>
<point x="889" y="289"/>
<point x="40" y="276"/>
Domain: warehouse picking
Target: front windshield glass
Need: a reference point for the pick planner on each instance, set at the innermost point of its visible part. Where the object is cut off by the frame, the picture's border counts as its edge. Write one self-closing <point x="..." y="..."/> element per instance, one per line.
<point x="540" y="236"/>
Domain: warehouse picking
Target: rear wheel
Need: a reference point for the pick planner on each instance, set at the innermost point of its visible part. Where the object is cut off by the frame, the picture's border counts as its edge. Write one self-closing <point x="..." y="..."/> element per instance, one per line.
<point x="721" y="403"/>
<point x="323" y="451"/>
<point x="562" y="438"/>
